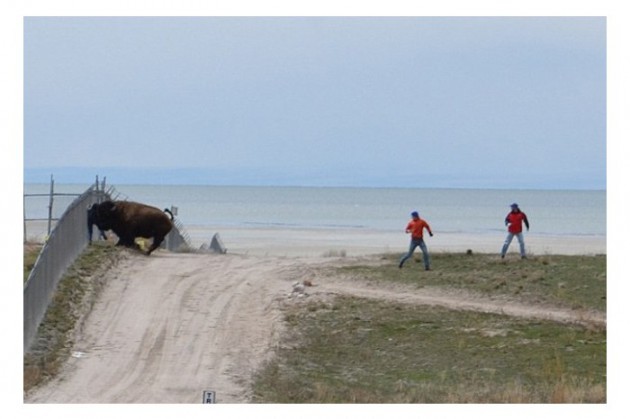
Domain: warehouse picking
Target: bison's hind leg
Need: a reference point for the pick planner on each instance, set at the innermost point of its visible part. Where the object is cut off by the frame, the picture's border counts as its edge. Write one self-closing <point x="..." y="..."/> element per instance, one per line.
<point x="125" y="242"/>
<point x="128" y="242"/>
<point x="157" y="241"/>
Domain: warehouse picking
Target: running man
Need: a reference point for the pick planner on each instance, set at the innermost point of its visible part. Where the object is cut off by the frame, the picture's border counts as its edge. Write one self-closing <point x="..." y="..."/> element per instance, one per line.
<point x="416" y="227"/>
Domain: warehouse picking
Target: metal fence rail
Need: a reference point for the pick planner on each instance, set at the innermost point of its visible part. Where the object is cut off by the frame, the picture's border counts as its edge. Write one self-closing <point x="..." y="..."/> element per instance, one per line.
<point x="65" y="243"/>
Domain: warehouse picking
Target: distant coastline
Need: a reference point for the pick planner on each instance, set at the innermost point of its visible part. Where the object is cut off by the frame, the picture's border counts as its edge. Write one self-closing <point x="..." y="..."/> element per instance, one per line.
<point x="307" y="177"/>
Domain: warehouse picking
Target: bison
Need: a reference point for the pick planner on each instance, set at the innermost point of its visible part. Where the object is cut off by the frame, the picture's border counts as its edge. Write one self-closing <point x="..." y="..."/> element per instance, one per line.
<point x="130" y="220"/>
<point x="91" y="221"/>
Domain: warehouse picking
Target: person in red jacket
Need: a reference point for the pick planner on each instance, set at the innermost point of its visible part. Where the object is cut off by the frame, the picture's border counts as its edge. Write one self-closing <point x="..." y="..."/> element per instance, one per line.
<point x="416" y="227"/>
<point x="514" y="222"/>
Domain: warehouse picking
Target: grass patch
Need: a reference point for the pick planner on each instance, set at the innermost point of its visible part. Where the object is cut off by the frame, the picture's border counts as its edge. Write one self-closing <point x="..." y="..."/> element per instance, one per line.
<point x="76" y="290"/>
<point x="364" y="351"/>
<point x="577" y="282"/>
<point x="31" y="253"/>
<point x="352" y="350"/>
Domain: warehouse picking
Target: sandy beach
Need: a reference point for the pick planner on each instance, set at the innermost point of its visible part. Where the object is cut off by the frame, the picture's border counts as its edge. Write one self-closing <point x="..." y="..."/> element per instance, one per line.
<point x="274" y="241"/>
<point x="318" y="242"/>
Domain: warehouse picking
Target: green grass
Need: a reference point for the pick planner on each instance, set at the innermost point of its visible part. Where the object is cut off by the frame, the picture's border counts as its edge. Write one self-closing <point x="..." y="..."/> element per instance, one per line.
<point x="78" y="287"/>
<point x="31" y="253"/>
<point x="362" y="351"/>
<point x="353" y="350"/>
<point x="577" y="282"/>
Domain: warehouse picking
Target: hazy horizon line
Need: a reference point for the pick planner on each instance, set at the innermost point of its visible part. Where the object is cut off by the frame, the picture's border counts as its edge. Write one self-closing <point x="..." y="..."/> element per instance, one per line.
<point x="254" y="178"/>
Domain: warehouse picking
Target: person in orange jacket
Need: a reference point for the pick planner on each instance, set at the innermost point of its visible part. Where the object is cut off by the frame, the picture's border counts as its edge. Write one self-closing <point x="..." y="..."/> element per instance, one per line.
<point x="416" y="227"/>
<point x="514" y="222"/>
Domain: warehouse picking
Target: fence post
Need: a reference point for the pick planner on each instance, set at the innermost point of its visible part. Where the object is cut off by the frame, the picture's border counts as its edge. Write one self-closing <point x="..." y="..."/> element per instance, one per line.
<point x="50" y="205"/>
<point x="24" y="216"/>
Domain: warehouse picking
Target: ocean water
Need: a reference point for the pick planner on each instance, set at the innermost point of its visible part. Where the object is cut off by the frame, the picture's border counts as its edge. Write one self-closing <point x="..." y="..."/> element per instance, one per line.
<point x="476" y="211"/>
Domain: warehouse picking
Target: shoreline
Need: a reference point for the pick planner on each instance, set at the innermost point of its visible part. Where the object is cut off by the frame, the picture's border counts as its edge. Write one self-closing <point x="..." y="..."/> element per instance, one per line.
<point x="279" y="241"/>
<point x="361" y="242"/>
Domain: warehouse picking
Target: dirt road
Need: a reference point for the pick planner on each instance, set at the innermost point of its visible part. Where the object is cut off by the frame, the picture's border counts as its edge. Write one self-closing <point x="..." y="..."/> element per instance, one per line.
<point x="168" y="327"/>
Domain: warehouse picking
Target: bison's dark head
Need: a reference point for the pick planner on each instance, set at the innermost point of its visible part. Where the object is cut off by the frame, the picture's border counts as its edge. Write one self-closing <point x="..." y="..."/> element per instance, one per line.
<point x="106" y="207"/>
<point x="101" y="214"/>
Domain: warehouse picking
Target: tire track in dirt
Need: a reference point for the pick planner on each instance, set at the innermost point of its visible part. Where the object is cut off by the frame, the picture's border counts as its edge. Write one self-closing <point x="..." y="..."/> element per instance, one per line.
<point x="457" y="301"/>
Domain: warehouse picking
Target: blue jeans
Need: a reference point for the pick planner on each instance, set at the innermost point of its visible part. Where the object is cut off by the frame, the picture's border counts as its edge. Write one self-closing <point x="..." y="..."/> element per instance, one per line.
<point x="508" y="240"/>
<point x="412" y="246"/>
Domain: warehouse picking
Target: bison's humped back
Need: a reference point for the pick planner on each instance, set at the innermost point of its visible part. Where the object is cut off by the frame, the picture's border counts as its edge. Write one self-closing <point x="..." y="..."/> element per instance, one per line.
<point x="143" y="220"/>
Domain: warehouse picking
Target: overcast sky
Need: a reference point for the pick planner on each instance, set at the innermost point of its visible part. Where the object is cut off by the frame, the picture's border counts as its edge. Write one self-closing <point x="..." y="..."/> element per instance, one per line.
<point x="407" y="102"/>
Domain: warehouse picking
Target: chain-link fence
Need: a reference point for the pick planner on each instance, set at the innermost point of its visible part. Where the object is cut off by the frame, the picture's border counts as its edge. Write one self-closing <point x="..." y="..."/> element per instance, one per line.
<point x="64" y="244"/>
<point x="177" y="240"/>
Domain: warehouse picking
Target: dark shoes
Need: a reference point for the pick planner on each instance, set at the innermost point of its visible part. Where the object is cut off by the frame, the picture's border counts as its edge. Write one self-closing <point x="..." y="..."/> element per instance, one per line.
<point x="426" y="268"/>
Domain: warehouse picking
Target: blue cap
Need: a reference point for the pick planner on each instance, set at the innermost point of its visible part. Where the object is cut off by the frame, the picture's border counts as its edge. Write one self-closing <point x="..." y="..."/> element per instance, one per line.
<point x="514" y="205"/>
<point x="415" y="214"/>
